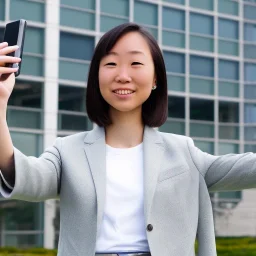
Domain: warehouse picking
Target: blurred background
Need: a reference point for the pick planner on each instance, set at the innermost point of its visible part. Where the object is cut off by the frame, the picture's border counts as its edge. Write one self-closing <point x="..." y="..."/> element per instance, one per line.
<point x="209" y="47"/>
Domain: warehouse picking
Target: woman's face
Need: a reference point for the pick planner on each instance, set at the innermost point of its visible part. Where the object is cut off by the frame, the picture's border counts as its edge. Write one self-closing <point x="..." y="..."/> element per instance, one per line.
<point x="127" y="74"/>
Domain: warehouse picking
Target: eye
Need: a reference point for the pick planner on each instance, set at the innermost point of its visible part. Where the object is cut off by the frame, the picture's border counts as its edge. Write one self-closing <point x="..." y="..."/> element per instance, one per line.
<point x="136" y="63"/>
<point x="111" y="64"/>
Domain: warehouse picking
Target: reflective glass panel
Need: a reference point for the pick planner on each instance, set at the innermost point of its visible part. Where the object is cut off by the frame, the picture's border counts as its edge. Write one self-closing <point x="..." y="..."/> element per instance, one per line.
<point x="76" y="46"/>
<point x="201" y="66"/>
<point x="201" y="24"/>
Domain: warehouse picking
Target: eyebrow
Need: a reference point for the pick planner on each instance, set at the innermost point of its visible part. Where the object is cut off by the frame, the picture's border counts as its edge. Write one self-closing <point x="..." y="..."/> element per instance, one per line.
<point x="130" y="52"/>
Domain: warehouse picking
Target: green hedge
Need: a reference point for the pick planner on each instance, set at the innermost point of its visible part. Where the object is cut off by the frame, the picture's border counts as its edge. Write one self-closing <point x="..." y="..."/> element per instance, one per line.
<point x="12" y="251"/>
<point x="243" y="246"/>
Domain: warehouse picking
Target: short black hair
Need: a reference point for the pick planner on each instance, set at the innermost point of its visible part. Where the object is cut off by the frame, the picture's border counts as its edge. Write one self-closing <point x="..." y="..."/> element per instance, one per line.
<point x="155" y="108"/>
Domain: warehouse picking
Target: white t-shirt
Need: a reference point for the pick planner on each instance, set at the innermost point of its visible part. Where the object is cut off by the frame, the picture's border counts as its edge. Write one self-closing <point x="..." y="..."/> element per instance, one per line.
<point x="123" y="226"/>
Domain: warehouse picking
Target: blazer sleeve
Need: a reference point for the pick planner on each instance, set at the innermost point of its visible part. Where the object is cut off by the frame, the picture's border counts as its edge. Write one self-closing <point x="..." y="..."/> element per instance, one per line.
<point x="36" y="179"/>
<point x="226" y="172"/>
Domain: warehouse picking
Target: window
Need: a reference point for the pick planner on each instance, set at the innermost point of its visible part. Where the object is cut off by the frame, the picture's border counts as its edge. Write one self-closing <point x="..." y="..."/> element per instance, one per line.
<point x="250" y="134"/>
<point x="201" y="31"/>
<point x="201" y="66"/>
<point x="250" y="148"/>
<point x="27" y="94"/>
<point x="250" y="38"/>
<point x="201" y="24"/>
<point x="250" y="12"/>
<point x="78" y="14"/>
<point x="228" y="7"/>
<point x="250" y="91"/>
<point x="1" y="34"/>
<point x="25" y="105"/>
<point x="23" y="224"/>
<point x="249" y="113"/>
<point x="250" y="51"/>
<point x="228" y="37"/>
<point x="147" y="14"/>
<point x="173" y="19"/>
<point x="205" y="146"/>
<point x="228" y="112"/>
<point x="116" y="7"/>
<point x="2" y="9"/>
<point x="201" y="109"/>
<point x="176" y="107"/>
<point x="228" y="70"/>
<point x="28" y="10"/>
<point x="229" y="115"/>
<point x="201" y="75"/>
<point x="34" y="40"/>
<point x="75" y="55"/>
<point x="175" y="67"/>
<point x="175" y="62"/>
<point x="72" y="113"/>
<point x="113" y="13"/>
<point x="173" y="27"/>
<point x="33" y="56"/>
<point x="72" y="98"/>
<point x="202" y="4"/>
<point x="175" y="1"/>
<point x="176" y="110"/>
<point x="85" y="4"/>
<point x="76" y="46"/>
<point x="28" y="143"/>
<point x="228" y="28"/>
<point x="228" y="78"/>
<point x="227" y="148"/>
<point x="249" y="32"/>
<point x="249" y="72"/>
<point x="83" y="19"/>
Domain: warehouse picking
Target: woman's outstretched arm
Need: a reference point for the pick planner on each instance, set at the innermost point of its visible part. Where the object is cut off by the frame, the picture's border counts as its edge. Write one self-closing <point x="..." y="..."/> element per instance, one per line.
<point x="226" y="172"/>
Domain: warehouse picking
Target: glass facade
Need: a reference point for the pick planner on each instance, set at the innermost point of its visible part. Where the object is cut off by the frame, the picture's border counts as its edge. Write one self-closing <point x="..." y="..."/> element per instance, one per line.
<point x="209" y="47"/>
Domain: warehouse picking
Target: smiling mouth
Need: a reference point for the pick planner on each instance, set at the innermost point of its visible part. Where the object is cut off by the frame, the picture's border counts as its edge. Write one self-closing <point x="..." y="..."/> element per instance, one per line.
<point x="123" y="92"/>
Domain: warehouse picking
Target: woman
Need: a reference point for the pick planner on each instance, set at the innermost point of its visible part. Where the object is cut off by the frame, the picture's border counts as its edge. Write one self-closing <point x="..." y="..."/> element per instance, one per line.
<point x="124" y="187"/>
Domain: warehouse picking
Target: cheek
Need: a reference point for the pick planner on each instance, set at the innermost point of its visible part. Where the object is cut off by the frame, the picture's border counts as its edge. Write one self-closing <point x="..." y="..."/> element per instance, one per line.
<point x="144" y="77"/>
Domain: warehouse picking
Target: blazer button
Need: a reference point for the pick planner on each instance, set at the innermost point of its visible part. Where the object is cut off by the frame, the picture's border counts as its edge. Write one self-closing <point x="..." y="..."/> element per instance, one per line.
<point x="149" y="227"/>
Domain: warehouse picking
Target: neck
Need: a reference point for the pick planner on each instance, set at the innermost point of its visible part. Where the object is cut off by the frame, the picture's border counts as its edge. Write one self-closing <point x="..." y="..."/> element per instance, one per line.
<point x="126" y="130"/>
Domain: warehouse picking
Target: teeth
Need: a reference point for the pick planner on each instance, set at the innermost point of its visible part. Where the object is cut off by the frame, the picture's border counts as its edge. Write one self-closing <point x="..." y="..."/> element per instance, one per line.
<point x="123" y="92"/>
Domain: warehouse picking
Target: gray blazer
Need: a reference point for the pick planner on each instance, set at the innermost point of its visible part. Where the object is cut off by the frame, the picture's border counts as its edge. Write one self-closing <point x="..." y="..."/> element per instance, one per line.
<point x="178" y="178"/>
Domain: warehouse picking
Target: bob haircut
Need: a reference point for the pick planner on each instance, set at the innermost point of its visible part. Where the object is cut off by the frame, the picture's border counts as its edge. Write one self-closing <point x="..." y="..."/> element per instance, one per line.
<point x="155" y="108"/>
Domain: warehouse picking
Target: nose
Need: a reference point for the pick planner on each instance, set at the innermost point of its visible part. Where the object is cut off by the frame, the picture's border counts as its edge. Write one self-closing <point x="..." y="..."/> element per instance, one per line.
<point x="123" y="75"/>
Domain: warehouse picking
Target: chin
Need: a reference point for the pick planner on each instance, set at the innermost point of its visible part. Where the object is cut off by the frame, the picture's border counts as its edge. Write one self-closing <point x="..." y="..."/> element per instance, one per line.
<point x="125" y="109"/>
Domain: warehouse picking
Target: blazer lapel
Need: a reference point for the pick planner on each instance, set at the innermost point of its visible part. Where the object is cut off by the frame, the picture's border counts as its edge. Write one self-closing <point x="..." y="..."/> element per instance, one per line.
<point x="95" y="150"/>
<point x="153" y="155"/>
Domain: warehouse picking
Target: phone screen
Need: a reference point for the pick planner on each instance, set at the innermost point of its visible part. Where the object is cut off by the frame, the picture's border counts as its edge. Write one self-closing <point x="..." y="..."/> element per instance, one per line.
<point x="14" y="34"/>
<point x="11" y="34"/>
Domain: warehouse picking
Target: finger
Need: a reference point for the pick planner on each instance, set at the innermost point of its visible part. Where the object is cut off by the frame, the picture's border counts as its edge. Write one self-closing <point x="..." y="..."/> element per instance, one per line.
<point x="9" y="59"/>
<point x="3" y="44"/>
<point x="8" y="49"/>
<point x="7" y="70"/>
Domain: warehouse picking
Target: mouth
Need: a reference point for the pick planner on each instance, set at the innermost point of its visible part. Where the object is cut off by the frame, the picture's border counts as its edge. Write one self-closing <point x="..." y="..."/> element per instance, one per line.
<point x="123" y="92"/>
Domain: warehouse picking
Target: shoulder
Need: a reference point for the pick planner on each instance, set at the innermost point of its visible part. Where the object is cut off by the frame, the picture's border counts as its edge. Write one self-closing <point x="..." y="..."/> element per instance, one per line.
<point x="174" y="138"/>
<point x="73" y="138"/>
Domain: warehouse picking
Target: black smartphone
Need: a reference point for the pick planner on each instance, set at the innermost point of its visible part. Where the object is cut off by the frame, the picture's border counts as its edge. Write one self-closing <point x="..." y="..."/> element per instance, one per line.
<point x="14" y="34"/>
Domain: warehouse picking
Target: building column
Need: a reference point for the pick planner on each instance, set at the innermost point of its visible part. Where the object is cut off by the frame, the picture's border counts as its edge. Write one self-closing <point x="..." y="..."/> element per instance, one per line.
<point x="52" y="10"/>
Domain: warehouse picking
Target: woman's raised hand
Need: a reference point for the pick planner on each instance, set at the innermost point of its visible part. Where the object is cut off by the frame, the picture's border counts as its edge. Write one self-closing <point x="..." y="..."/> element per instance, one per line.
<point x="7" y="78"/>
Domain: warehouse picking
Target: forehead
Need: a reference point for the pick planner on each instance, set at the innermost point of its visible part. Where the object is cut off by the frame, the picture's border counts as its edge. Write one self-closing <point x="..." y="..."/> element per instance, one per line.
<point x="133" y="43"/>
